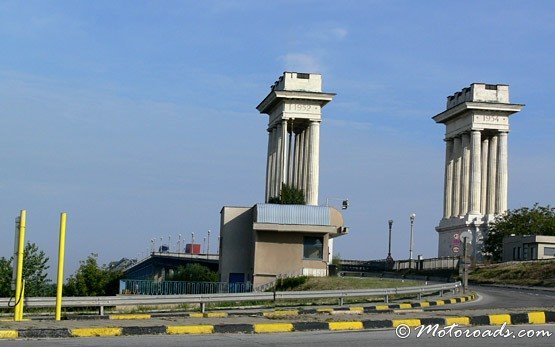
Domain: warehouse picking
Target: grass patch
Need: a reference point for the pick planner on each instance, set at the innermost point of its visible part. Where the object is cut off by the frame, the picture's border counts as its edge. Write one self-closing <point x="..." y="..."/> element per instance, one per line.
<point x="338" y="283"/>
<point x="533" y="273"/>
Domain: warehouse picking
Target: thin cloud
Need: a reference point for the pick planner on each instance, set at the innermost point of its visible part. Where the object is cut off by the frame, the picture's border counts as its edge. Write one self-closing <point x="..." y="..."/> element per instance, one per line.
<point x="301" y="62"/>
<point x="339" y="33"/>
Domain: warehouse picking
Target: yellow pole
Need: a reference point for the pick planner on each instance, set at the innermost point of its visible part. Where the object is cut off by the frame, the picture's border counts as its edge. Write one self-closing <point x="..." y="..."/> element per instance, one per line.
<point x="61" y="252"/>
<point x="19" y="275"/>
<point x="20" y="314"/>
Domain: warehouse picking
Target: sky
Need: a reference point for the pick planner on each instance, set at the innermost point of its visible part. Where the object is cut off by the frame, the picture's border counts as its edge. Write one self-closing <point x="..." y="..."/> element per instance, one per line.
<point x="138" y="118"/>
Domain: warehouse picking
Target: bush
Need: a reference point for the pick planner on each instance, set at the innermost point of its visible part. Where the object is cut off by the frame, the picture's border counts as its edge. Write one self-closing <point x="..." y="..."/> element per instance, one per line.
<point x="194" y="273"/>
<point x="283" y="284"/>
<point x="289" y="196"/>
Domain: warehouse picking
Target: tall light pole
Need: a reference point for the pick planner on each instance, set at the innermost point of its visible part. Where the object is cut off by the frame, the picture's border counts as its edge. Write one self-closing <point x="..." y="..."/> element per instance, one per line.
<point x="412" y="216"/>
<point x="390" y="222"/>
<point x="179" y="244"/>
<point x="389" y="259"/>
<point x="208" y="246"/>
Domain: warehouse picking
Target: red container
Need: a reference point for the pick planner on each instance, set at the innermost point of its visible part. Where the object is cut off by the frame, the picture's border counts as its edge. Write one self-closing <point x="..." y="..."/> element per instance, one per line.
<point x="192" y="248"/>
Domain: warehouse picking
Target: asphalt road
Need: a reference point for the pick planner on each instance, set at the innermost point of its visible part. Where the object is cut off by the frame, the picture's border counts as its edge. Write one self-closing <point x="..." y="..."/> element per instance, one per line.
<point x="320" y="339"/>
<point x="497" y="297"/>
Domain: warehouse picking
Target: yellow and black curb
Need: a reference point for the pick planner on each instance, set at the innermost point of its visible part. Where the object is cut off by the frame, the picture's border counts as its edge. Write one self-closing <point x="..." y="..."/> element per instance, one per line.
<point x="367" y="309"/>
<point x="535" y="317"/>
<point x="295" y="312"/>
<point x="391" y="307"/>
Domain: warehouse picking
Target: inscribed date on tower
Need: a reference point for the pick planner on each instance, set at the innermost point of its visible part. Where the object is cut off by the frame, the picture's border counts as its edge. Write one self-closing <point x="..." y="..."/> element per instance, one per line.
<point x="494" y="119"/>
<point x="302" y="108"/>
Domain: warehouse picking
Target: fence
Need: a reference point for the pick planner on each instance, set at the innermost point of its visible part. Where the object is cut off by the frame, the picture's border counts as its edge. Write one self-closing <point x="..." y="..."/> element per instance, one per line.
<point x="145" y="287"/>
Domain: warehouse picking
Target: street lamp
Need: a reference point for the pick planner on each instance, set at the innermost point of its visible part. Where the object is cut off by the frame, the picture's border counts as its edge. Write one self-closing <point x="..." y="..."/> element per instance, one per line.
<point x="389" y="259"/>
<point x="208" y="246"/>
<point x="412" y="216"/>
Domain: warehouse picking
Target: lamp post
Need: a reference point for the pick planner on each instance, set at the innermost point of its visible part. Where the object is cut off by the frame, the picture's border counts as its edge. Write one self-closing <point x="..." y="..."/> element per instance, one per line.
<point x="412" y="216"/>
<point x="208" y="245"/>
<point x="179" y="244"/>
<point x="389" y="259"/>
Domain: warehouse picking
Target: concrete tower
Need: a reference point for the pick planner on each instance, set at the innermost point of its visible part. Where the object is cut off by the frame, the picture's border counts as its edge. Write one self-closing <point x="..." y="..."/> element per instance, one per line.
<point x="476" y="173"/>
<point x="294" y="105"/>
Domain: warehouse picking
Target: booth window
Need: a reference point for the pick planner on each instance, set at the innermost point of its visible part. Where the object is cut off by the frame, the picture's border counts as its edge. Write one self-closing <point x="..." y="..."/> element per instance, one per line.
<point x="313" y="247"/>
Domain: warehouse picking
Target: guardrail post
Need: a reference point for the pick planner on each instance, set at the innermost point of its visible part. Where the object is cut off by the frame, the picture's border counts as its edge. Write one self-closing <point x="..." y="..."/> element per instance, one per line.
<point x="441" y="293"/>
<point x="202" y="307"/>
<point x="420" y="296"/>
<point x="101" y="310"/>
<point x="341" y="301"/>
<point x="386" y="299"/>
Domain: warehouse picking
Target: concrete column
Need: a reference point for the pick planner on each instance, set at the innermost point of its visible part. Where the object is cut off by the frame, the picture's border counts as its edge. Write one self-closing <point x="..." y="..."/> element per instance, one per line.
<point x="456" y="191"/>
<point x="284" y="153"/>
<point x="502" y="174"/>
<point x="300" y="171"/>
<point x="492" y="175"/>
<point x="290" y="158"/>
<point x="272" y="187"/>
<point x="268" y="165"/>
<point x="476" y="171"/>
<point x="465" y="174"/>
<point x="306" y="147"/>
<point x="295" y="178"/>
<point x="313" y="164"/>
<point x="279" y="162"/>
<point x="448" y="188"/>
<point x="484" y="188"/>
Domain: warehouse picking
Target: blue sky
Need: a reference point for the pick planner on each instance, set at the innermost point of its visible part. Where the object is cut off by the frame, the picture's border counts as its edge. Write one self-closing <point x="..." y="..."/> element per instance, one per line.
<point x="138" y="117"/>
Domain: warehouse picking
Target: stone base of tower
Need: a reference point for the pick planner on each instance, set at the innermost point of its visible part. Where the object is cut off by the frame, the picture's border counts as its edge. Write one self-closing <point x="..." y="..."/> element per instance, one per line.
<point x="451" y="232"/>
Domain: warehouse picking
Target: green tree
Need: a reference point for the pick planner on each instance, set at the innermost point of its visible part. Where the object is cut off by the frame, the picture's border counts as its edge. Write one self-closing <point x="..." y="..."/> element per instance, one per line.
<point x="194" y="273"/>
<point x="538" y="220"/>
<point x="5" y="278"/>
<point x="35" y="265"/>
<point x="92" y="280"/>
<point x="289" y="195"/>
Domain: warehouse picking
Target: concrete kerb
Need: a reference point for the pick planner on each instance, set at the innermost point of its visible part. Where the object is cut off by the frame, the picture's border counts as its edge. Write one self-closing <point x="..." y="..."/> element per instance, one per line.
<point x="533" y="317"/>
<point x="294" y="312"/>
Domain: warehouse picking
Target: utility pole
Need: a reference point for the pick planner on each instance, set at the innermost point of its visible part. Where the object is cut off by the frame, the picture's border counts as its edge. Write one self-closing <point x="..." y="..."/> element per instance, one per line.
<point x="412" y="216"/>
<point x="208" y="251"/>
<point x="465" y="270"/>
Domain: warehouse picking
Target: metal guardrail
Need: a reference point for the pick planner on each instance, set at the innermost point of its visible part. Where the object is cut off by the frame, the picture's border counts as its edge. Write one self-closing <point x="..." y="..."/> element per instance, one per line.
<point x="145" y="287"/>
<point x="152" y="300"/>
<point x="444" y="263"/>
